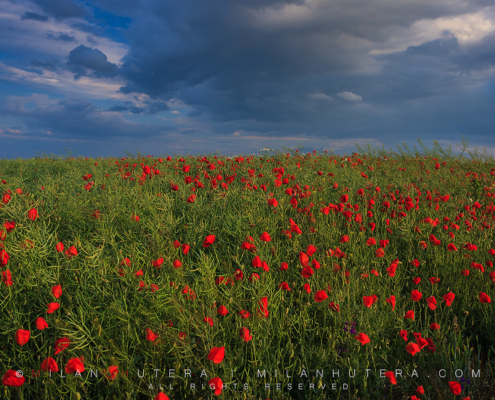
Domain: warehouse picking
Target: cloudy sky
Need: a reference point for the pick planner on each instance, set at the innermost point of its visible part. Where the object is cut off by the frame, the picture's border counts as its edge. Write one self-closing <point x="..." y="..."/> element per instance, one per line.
<point x="199" y="76"/>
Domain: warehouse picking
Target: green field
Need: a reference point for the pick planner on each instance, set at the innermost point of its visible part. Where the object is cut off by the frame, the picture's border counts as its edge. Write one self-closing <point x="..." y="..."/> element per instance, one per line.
<point x="269" y="272"/>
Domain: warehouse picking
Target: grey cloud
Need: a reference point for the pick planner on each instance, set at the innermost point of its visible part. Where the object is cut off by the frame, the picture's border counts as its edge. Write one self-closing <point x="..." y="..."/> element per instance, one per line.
<point x="34" y="16"/>
<point x="231" y="61"/>
<point x="61" y="9"/>
<point x="150" y="108"/>
<point x="51" y="65"/>
<point x="87" y="61"/>
<point x="61" y="36"/>
<point x="77" y="118"/>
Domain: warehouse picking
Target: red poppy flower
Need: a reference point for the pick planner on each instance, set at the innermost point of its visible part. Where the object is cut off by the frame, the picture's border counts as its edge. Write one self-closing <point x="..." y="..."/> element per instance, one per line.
<point x="307" y="272"/>
<point x="265" y="237"/>
<point x="238" y="275"/>
<point x="4" y="258"/>
<point x="216" y="384"/>
<point x="416" y="295"/>
<point x="177" y="264"/>
<point x="431" y="302"/>
<point x="59" y="247"/>
<point x="49" y="364"/>
<point x="451" y="247"/>
<point x="403" y="334"/>
<point x="256" y="262"/>
<point x="41" y="323"/>
<point x="284" y="286"/>
<point x="185" y="248"/>
<point x="363" y="338"/>
<point x="344" y="239"/>
<point x="484" y="298"/>
<point x="449" y="298"/>
<point x="222" y="310"/>
<point x="6" y="198"/>
<point x="307" y="288"/>
<point x="284" y="266"/>
<point x="420" y="390"/>
<point x="9" y="225"/>
<point x="113" y="370"/>
<point x="71" y="251"/>
<point x="150" y="335"/>
<point x="254" y="277"/>
<point x="412" y="348"/>
<point x="320" y="296"/>
<point x="455" y="388"/>
<point x="371" y="242"/>
<point x="311" y="250"/>
<point x="209" y="321"/>
<point x="334" y="307"/>
<point x="368" y="301"/>
<point x="217" y="354"/>
<point x="390" y="375"/>
<point x="272" y="202"/>
<point x="74" y="365"/>
<point x="61" y="344"/>
<point x="434" y="326"/>
<point x="33" y="214"/>
<point x="409" y="315"/>
<point x="57" y="291"/>
<point x="244" y="314"/>
<point x="209" y="240"/>
<point x="161" y="396"/>
<point x="22" y="337"/>
<point x="7" y="278"/>
<point x="295" y="228"/>
<point x="158" y="262"/>
<point x="391" y="270"/>
<point x="11" y="378"/>
<point x="262" y="307"/>
<point x="391" y="301"/>
<point x="245" y="334"/>
<point x="303" y="258"/>
<point x="154" y="288"/>
<point x="52" y="307"/>
<point x="379" y="252"/>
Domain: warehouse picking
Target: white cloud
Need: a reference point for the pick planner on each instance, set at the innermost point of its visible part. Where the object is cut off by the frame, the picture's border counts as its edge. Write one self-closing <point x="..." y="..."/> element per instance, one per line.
<point x="63" y="82"/>
<point x="466" y="28"/>
<point x="320" y="96"/>
<point x="350" y="96"/>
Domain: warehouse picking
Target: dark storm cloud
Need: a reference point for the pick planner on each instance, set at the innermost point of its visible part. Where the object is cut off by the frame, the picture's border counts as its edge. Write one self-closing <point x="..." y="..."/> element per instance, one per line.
<point x="61" y="36"/>
<point x="76" y="118"/>
<point x="34" y="16"/>
<point x="149" y="108"/>
<point x="51" y="65"/>
<point x="61" y="9"/>
<point x="87" y="61"/>
<point x="235" y="61"/>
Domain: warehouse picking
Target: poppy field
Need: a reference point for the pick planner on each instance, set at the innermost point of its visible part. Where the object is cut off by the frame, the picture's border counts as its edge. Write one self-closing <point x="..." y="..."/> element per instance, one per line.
<point x="275" y="276"/>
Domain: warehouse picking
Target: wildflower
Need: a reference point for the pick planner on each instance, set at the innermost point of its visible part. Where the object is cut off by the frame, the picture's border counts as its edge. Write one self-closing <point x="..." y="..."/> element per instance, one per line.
<point x="245" y="334"/>
<point x="74" y="365"/>
<point x="216" y="384"/>
<point x="22" y="337"/>
<point x="49" y="364"/>
<point x="217" y="354"/>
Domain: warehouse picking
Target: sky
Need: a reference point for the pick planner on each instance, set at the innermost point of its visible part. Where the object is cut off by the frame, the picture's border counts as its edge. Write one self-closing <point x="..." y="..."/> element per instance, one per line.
<point x="103" y="77"/>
